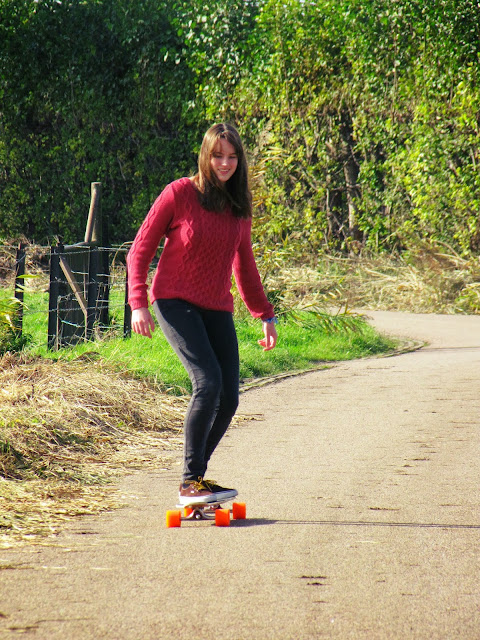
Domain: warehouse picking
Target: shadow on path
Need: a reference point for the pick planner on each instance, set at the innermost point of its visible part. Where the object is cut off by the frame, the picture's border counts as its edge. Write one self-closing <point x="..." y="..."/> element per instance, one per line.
<point x="254" y="522"/>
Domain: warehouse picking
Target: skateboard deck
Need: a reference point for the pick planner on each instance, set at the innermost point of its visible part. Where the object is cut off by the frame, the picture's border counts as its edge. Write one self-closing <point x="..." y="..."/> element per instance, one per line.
<point x="206" y="511"/>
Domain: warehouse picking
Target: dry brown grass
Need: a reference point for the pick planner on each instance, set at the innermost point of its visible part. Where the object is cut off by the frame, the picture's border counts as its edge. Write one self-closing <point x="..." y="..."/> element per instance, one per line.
<point x="427" y="280"/>
<point x="66" y="430"/>
<point x="36" y="263"/>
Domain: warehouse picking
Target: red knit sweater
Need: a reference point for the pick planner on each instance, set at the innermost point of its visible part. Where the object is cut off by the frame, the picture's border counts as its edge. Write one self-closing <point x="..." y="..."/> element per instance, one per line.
<point x="201" y="249"/>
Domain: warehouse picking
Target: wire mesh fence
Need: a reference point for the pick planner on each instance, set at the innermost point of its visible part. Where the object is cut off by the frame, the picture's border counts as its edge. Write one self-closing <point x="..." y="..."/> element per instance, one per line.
<point x="66" y="294"/>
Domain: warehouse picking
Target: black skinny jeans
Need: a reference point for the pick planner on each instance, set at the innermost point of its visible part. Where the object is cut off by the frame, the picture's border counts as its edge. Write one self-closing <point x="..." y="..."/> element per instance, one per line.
<point x="206" y="343"/>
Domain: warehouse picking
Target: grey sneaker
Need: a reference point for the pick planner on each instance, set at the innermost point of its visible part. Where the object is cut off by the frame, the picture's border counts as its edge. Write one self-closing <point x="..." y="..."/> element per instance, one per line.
<point x="222" y="493"/>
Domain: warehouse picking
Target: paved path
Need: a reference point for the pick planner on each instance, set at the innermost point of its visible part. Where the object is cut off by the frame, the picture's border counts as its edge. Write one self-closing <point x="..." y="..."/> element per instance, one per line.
<point x="362" y="484"/>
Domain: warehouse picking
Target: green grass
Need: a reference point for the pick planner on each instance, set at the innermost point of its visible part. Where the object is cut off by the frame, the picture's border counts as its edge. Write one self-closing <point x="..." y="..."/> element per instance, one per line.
<point x="302" y="347"/>
<point x="299" y="347"/>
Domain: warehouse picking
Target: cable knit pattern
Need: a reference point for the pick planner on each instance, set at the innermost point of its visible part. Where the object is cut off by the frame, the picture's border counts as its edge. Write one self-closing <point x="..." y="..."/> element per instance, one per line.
<point x="201" y="250"/>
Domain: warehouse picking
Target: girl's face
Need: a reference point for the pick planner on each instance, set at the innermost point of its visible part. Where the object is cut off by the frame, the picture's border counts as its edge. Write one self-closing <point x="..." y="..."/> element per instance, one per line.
<point x="224" y="160"/>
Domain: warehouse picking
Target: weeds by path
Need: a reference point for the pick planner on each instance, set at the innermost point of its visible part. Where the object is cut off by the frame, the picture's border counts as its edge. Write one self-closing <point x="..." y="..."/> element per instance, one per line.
<point x="67" y="429"/>
<point x="426" y="280"/>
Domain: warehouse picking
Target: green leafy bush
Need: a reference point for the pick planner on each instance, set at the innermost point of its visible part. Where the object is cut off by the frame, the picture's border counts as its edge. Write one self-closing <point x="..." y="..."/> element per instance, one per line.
<point x="361" y="116"/>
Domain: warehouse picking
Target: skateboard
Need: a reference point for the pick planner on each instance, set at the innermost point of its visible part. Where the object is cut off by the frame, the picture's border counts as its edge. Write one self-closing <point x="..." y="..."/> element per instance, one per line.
<point x="206" y="511"/>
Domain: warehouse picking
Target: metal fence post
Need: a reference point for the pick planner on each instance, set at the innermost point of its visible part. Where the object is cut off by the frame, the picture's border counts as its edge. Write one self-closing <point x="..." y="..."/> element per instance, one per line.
<point x="19" y="285"/>
<point x="92" y="293"/>
<point x="127" y="314"/>
<point x="54" y="292"/>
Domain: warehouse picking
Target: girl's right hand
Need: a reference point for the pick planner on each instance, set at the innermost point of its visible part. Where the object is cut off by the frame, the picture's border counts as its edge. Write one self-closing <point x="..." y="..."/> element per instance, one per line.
<point x="142" y="322"/>
<point x="270" y="339"/>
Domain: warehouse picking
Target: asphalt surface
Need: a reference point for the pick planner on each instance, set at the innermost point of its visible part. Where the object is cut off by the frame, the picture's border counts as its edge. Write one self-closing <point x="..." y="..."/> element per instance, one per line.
<point x="362" y="491"/>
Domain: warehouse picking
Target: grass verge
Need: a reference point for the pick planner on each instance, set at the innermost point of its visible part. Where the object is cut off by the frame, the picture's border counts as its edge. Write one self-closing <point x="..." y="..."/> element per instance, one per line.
<point x="298" y="348"/>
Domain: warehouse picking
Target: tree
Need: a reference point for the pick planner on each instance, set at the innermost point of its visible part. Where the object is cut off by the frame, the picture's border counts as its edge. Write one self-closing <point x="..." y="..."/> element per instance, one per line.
<point x="91" y="91"/>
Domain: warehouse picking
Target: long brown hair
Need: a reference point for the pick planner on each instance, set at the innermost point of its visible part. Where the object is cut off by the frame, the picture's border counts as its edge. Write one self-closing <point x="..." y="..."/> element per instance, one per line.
<point x="235" y="193"/>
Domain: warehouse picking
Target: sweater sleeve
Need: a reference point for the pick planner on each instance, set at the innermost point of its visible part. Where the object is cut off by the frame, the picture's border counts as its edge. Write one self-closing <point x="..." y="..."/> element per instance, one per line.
<point x="248" y="279"/>
<point x="145" y="246"/>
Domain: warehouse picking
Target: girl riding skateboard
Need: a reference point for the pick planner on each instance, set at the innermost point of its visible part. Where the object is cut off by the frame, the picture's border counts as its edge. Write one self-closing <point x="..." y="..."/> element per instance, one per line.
<point x="206" y="221"/>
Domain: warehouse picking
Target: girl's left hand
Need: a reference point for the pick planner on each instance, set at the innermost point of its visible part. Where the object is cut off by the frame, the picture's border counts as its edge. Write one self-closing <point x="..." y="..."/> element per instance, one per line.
<point x="270" y="339"/>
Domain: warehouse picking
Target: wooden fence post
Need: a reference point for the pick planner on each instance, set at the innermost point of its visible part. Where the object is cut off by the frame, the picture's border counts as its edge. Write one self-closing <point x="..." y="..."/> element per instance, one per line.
<point x="93" y="231"/>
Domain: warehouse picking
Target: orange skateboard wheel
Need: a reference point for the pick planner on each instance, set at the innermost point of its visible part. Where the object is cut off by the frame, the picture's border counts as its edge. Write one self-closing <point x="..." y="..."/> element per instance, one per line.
<point x="174" y="518"/>
<point x="222" y="517"/>
<point x="187" y="511"/>
<point x="239" y="510"/>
